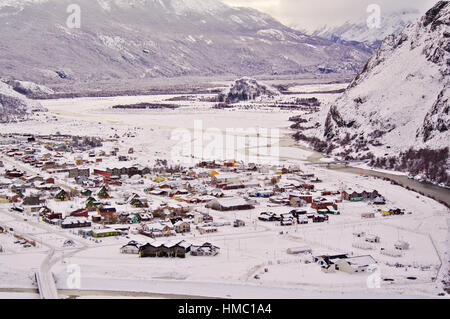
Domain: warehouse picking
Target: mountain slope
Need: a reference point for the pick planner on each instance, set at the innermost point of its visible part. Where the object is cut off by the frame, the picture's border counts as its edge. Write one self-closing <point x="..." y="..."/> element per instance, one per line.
<point x="121" y="39"/>
<point x="357" y="29"/>
<point x="400" y="99"/>
<point x="15" y="106"/>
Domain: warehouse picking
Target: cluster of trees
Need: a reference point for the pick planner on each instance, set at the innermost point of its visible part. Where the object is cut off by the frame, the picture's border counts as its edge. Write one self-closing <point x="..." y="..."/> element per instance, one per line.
<point x="316" y="143"/>
<point x="140" y="106"/>
<point x="432" y="164"/>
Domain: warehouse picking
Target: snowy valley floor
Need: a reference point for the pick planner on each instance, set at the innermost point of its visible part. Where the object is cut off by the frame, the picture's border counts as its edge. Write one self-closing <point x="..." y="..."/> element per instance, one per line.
<point x="257" y="249"/>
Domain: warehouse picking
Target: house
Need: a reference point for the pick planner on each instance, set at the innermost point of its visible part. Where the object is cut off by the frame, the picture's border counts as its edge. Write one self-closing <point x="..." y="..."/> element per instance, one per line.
<point x="182" y="227"/>
<point x="287" y="221"/>
<point x="104" y="211"/>
<point x="226" y="178"/>
<point x="356" y="264"/>
<point x="144" y="216"/>
<point x="52" y="218"/>
<point x="359" y="195"/>
<point x="103" y="193"/>
<point x="368" y="215"/>
<point x="139" y="202"/>
<point x="62" y="196"/>
<point x="31" y="201"/>
<point x="238" y="223"/>
<point x="131" y="248"/>
<point x="92" y="204"/>
<point x="324" y="260"/>
<point x="76" y="172"/>
<point x="155" y="230"/>
<point x="107" y="232"/>
<point x="75" y="222"/>
<point x="319" y="219"/>
<point x="206" y="229"/>
<point x="401" y="245"/>
<point x="171" y="249"/>
<point x="323" y="205"/>
<point x="269" y="217"/>
<point x="229" y="204"/>
<point x="379" y="200"/>
<point x="2" y="230"/>
<point x="373" y="239"/>
<point x="207" y="249"/>
<point x="86" y="192"/>
<point x="391" y="252"/>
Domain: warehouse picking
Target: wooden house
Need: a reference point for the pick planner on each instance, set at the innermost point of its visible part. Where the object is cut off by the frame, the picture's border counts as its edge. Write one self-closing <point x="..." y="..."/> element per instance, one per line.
<point x="86" y="192"/>
<point x="92" y="204"/>
<point x="401" y="245"/>
<point x="238" y="223"/>
<point x="107" y="232"/>
<point x="182" y="227"/>
<point x="75" y="222"/>
<point x="62" y="196"/>
<point x="76" y="172"/>
<point x="131" y="248"/>
<point x="157" y="249"/>
<point x="359" y="195"/>
<point x="207" y="249"/>
<point x="103" y="193"/>
<point x="31" y="201"/>
<point x="229" y="204"/>
<point x="355" y="264"/>
<point x="372" y="239"/>
<point x="206" y="229"/>
<point x="80" y="213"/>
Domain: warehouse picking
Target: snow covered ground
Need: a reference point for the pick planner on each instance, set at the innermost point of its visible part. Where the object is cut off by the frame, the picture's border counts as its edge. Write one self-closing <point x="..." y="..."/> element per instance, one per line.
<point x="258" y="249"/>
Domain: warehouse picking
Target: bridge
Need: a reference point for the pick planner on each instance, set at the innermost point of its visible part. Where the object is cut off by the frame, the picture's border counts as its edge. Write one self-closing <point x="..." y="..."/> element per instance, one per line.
<point x="44" y="279"/>
<point x="346" y="163"/>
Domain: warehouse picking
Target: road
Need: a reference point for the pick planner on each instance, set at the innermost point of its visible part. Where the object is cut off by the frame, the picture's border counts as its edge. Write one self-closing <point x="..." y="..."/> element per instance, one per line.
<point x="44" y="278"/>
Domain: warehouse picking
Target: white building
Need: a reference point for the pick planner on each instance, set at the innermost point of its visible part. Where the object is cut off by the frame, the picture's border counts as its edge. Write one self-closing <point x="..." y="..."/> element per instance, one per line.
<point x="355" y="264"/>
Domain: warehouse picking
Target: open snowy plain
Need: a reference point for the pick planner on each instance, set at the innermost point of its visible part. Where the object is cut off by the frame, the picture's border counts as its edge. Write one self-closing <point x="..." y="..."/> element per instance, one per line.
<point x="253" y="262"/>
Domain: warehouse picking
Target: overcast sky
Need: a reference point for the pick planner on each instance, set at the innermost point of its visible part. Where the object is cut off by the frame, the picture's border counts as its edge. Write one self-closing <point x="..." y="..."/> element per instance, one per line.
<point x="317" y="13"/>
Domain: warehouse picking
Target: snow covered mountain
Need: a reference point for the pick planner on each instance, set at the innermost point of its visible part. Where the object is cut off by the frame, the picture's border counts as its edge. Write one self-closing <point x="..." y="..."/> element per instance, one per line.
<point x="15" y="106"/>
<point x="133" y="39"/>
<point x="356" y="30"/>
<point x="400" y="99"/>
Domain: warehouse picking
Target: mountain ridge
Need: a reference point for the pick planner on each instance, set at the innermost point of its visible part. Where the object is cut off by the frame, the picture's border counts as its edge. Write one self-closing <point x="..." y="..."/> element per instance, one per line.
<point x="133" y="39"/>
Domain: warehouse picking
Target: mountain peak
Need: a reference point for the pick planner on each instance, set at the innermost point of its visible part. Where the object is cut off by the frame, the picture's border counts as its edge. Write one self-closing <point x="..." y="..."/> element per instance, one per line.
<point x="400" y="98"/>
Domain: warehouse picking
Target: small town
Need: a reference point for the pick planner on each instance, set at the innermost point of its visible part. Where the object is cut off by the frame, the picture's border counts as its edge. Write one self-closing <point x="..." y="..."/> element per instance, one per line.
<point x="219" y="151"/>
<point x="71" y="185"/>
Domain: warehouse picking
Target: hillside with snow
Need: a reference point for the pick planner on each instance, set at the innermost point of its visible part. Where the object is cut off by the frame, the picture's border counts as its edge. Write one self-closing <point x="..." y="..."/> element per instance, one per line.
<point x="139" y="39"/>
<point x="357" y="29"/>
<point x="15" y="106"/>
<point x="400" y="99"/>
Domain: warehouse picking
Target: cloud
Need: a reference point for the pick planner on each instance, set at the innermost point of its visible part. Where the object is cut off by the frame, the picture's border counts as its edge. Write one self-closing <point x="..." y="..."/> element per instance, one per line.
<point x="317" y="13"/>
